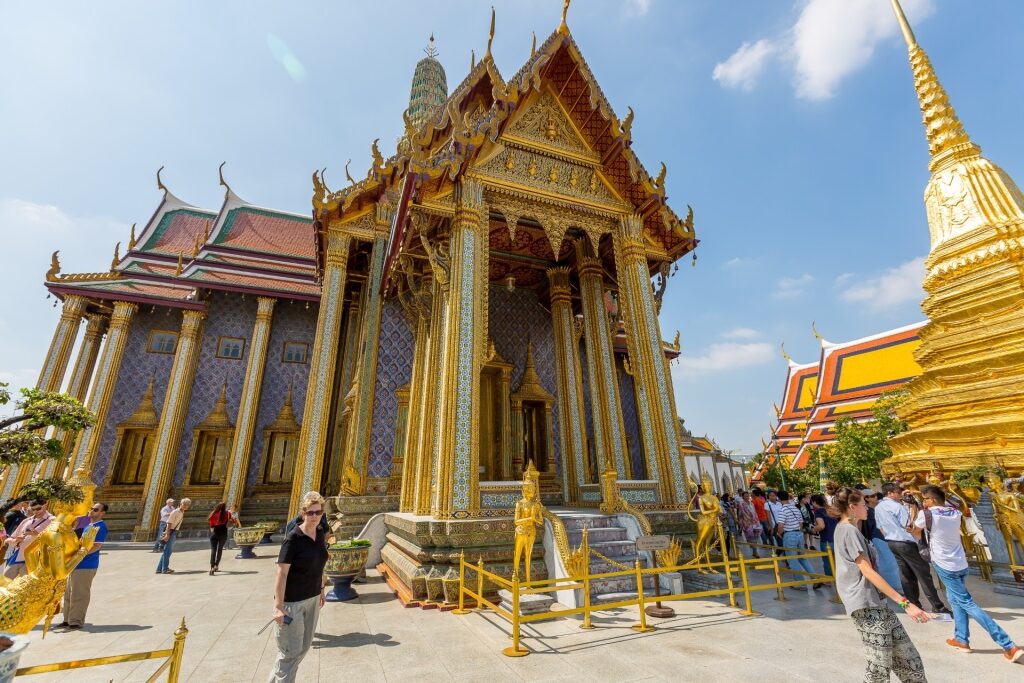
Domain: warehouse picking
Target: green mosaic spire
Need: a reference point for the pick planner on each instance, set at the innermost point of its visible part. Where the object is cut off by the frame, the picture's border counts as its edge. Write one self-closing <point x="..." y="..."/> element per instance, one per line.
<point x="429" y="88"/>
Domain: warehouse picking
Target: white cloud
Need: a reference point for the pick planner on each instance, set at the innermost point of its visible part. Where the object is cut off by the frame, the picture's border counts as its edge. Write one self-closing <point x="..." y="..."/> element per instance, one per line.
<point x="792" y="287"/>
<point x="744" y="66"/>
<point x="741" y="333"/>
<point x="18" y="216"/>
<point x="892" y="288"/>
<point x="724" y="356"/>
<point x="17" y="379"/>
<point x="829" y="40"/>
<point x="638" y="7"/>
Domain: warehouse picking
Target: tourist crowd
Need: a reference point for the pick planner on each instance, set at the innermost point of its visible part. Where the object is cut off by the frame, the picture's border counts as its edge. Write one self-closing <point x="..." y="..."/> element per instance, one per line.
<point x="883" y="544"/>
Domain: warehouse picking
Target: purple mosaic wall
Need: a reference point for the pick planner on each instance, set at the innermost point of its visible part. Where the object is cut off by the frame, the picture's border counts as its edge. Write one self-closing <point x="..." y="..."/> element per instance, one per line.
<point x="515" y="318"/>
<point x="394" y="370"/>
<point x="291" y="322"/>
<point x="588" y="416"/>
<point x="631" y="420"/>
<point x="137" y="366"/>
<point x="227" y="315"/>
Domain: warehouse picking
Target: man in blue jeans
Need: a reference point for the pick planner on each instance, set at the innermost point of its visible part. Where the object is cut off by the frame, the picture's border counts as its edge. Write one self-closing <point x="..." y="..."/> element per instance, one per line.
<point x="941" y="522"/>
<point x="171" y="531"/>
<point x="790" y="527"/>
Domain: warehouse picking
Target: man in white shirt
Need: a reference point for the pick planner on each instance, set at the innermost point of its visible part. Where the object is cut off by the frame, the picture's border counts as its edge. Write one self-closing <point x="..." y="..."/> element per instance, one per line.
<point x="942" y="523"/>
<point x="893" y="519"/>
<point x="165" y="513"/>
<point x="171" y="530"/>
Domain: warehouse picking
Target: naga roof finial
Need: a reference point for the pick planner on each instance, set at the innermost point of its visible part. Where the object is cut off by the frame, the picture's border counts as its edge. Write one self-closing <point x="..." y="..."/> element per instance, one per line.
<point x="785" y="355"/>
<point x="347" y="174"/>
<point x="117" y="257"/>
<point x="131" y="238"/>
<point x="490" y="37"/>
<point x="814" y="331"/>
<point x="533" y="45"/>
<point x="563" y="27"/>
<point x="159" y="183"/>
<point x="220" y="174"/>
<point x="181" y="262"/>
<point x="472" y="59"/>
<point x="54" y="270"/>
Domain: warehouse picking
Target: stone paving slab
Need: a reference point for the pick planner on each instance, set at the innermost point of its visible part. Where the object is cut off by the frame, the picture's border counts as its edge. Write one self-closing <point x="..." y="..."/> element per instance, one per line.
<point x="806" y="638"/>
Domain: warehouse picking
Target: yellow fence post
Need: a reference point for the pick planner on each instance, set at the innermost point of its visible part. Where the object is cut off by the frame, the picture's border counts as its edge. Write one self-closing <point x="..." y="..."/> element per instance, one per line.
<point x="177" y="651"/>
<point x="480" y="583"/>
<point x="515" y="650"/>
<point x="747" y="611"/>
<point x="728" y="565"/>
<point x="585" y="549"/>
<point x="832" y="564"/>
<point x="778" y="579"/>
<point x="462" y="586"/>
<point x="642" y="627"/>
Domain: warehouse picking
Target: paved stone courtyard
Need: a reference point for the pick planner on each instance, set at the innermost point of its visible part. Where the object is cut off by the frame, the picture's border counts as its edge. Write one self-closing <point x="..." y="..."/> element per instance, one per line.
<point x="375" y="639"/>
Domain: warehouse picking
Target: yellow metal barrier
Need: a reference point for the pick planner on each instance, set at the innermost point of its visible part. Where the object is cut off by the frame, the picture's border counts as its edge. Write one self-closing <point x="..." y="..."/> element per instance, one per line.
<point x="172" y="665"/>
<point x="518" y="588"/>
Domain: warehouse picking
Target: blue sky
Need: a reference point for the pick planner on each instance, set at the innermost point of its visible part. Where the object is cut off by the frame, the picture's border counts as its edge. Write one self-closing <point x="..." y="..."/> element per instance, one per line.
<point x="791" y="127"/>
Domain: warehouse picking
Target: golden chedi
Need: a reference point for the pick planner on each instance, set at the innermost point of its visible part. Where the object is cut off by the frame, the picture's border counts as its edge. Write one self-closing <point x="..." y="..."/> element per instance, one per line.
<point x="967" y="406"/>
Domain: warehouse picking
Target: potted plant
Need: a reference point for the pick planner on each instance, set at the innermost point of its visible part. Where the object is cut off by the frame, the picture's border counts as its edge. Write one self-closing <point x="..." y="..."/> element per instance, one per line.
<point x="345" y="560"/>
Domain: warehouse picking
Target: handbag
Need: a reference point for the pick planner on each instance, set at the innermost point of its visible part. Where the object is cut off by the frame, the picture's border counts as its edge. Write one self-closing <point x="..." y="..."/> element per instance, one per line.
<point x="923" y="547"/>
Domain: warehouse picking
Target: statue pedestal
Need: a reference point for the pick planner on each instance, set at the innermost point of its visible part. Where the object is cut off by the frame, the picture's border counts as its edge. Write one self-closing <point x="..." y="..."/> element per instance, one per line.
<point x="1003" y="580"/>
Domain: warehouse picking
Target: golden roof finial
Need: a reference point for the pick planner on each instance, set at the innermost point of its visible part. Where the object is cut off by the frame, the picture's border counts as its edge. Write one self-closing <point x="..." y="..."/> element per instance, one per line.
<point x="814" y="331"/>
<point x="195" y="247"/>
<point x="206" y="234"/>
<point x="347" y="174"/>
<point x="785" y="355"/>
<point x="220" y="175"/>
<point x="943" y="129"/>
<point x="472" y="59"/>
<point x="533" y="45"/>
<point x="131" y="238"/>
<point x="490" y="38"/>
<point x="117" y="257"/>
<point x="54" y="270"/>
<point x="159" y="183"/>
<point x="563" y="27"/>
<point x="181" y="260"/>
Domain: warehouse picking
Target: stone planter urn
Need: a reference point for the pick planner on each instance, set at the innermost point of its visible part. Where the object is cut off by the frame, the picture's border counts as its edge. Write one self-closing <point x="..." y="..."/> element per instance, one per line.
<point x="269" y="529"/>
<point x="345" y="561"/>
<point x="9" y="658"/>
<point x="245" y="538"/>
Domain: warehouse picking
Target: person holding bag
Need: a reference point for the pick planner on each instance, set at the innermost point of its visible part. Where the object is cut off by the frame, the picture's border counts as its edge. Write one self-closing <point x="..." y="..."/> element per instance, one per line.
<point x="219" y="520"/>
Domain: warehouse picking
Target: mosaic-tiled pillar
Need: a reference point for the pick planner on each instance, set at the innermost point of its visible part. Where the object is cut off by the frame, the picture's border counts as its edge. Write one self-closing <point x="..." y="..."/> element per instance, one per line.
<point x="249" y="405"/>
<point x="456" y="479"/>
<point x="573" y="426"/>
<point x="427" y="441"/>
<point x="401" y="436"/>
<point x="357" y="451"/>
<point x="656" y="408"/>
<point x="52" y="375"/>
<point x="103" y="386"/>
<point x="344" y="383"/>
<point x="417" y="387"/>
<point x="609" y="433"/>
<point x="167" y="439"/>
<point x="78" y="386"/>
<point x="316" y="411"/>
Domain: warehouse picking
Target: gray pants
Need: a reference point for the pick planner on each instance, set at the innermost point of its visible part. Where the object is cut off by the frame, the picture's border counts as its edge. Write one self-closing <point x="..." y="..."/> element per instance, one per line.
<point x="77" y="594"/>
<point x="295" y="639"/>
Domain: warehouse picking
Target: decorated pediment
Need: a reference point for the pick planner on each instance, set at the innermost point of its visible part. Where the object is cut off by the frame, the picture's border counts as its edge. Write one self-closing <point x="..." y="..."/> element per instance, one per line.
<point x="524" y="168"/>
<point x="546" y="125"/>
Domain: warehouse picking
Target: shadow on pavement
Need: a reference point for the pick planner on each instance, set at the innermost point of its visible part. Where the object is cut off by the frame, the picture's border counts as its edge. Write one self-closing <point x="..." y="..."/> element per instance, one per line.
<point x="354" y="640"/>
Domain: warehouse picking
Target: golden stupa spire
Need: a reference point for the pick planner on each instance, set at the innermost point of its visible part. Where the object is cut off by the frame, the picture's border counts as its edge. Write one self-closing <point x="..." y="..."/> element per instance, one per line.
<point x="943" y="129"/>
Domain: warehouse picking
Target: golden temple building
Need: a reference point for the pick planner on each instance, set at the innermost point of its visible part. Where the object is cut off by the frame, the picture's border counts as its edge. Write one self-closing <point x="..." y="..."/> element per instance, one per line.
<point x="967" y="406"/>
<point x="478" y="301"/>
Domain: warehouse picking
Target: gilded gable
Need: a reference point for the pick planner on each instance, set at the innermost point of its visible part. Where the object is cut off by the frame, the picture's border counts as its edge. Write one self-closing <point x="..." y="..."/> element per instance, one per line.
<point x="546" y="125"/>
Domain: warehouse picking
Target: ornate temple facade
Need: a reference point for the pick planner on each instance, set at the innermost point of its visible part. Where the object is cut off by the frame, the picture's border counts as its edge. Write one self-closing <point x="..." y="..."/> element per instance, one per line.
<point x="482" y="299"/>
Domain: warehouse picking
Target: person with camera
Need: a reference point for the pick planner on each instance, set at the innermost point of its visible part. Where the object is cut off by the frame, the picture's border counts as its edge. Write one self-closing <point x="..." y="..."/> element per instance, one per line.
<point x="941" y="523"/>
<point x="894" y="516"/>
<point x="299" y="589"/>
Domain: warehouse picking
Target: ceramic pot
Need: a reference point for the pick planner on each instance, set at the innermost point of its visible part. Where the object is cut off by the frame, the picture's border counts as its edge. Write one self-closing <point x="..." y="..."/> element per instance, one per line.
<point x="343" y="565"/>
<point x="245" y="538"/>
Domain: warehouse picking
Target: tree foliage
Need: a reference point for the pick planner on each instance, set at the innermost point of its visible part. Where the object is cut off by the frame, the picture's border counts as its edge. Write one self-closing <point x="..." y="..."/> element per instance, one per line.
<point x="779" y="476"/>
<point x="860" y="447"/>
<point x="22" y="436"/>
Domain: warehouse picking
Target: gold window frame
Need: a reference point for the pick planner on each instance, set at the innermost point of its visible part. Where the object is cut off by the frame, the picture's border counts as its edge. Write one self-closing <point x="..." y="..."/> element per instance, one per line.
<point x="153" y="333"/>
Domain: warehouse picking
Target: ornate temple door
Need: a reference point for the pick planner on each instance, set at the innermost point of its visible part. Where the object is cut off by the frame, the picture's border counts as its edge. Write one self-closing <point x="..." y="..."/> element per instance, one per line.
<point x="493" y="428"/>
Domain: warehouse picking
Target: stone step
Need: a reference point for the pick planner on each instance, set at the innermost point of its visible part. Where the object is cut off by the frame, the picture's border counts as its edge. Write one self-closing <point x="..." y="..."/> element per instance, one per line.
<point x="597" y="534"/>
<point x="615" y="597"/>
<point x="615" y="549"/>
<point x="581" y="520"/>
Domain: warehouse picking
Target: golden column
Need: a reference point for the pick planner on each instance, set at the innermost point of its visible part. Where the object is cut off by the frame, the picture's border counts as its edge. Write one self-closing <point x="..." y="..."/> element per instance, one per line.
<point x="609" y="433"/>
<point x="167" y="439"/>
<point x="456" y="481"/>
<point x="571" y="416"/>
<point x="417" y="412"/>
<point x="249" y="405"/>
<point x="81" y="375"/>
<point x="52" y="375"/>
<point x="427" y="441"/>
<point x="317" y="409"/>
<point x="357" y="450"/>
<point x="967" y="406"/>
<point x="103" y="387"/>
<point x="647" y="359"/>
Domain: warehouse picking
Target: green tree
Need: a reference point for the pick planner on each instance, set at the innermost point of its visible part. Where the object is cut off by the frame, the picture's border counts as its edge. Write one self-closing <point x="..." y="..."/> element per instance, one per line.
<point x="860" y="447"/>
<point x="23" y="435"/>
<point x="780" y="476"/>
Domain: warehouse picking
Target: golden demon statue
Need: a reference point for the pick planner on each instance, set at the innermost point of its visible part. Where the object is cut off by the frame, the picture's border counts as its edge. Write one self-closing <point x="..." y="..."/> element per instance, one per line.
<point x="1009" y="513"/>
<point x="49" y="560"/>
<point x="529" y="516"/>
<point x="707" y="523"/>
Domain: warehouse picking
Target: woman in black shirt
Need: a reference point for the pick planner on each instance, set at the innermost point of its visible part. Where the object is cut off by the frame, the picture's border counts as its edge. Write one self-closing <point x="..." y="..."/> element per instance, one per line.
<point x="298" y="591"/>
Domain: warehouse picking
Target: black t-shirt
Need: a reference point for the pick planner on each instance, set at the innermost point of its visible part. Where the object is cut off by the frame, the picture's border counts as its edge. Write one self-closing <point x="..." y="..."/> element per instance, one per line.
<point x="12" y="519"/>
<point x="306" y="558"/>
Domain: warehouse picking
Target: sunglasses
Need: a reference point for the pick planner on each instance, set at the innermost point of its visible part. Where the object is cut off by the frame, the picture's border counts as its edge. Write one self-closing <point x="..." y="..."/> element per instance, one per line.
<point x="313" y="513"/>
<point x="97" y="510"/>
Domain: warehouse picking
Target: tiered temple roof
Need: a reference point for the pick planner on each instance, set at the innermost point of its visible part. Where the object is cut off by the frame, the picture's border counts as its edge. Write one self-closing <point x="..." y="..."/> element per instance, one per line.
<point x="845" y="383"/>
<point x="240" y="248"/>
